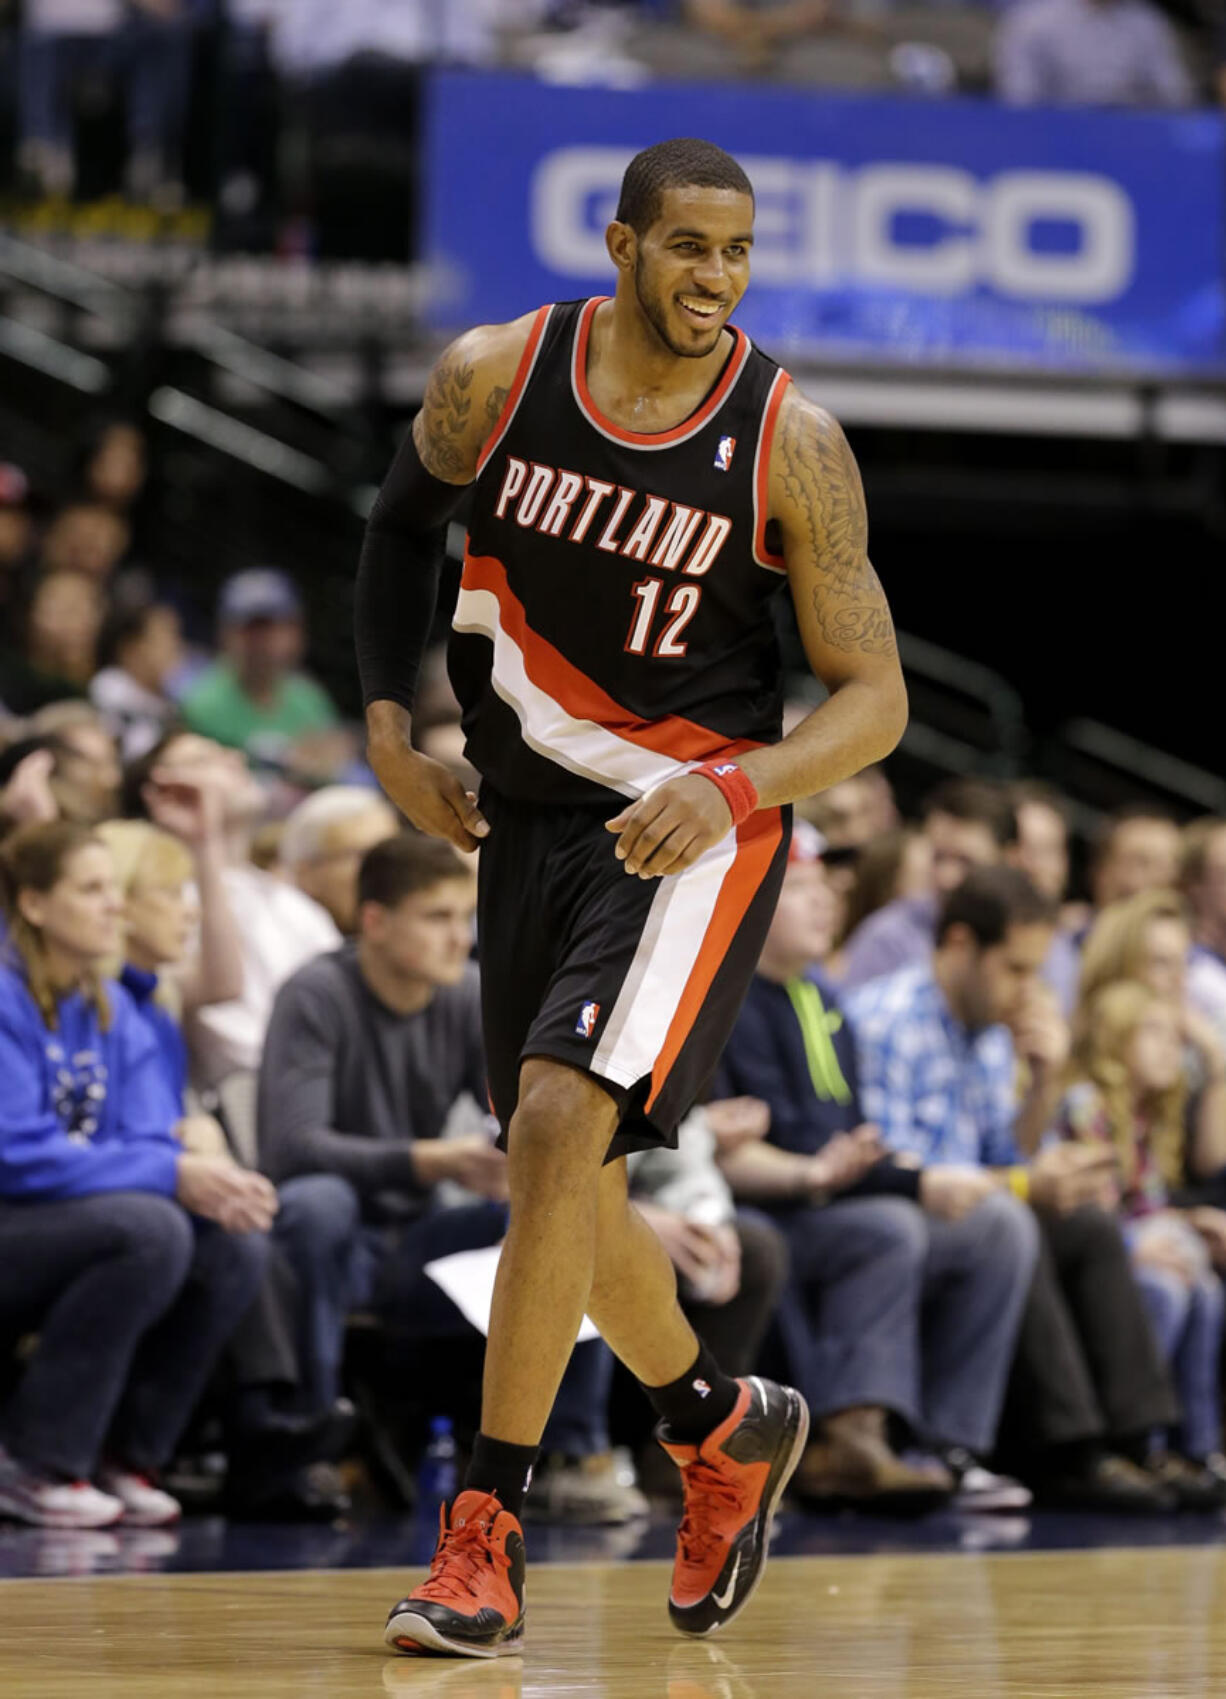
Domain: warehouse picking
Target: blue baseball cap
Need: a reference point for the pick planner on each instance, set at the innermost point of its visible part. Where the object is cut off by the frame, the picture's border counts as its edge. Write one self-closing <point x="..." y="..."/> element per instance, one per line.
<point x="260" y="593"/>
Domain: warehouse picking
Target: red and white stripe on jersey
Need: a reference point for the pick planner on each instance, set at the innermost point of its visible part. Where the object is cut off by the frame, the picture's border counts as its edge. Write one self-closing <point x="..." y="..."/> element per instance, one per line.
<point x="564" y="715"/>
<point x="523" y="372"/>
<point x="688" y="428"/>
<point x="761" y="475"/>
<point x="692" y="922"/>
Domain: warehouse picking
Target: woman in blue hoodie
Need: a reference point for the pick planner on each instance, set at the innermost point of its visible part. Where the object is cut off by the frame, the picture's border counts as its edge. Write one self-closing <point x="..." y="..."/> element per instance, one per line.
<point x="132" y="1258"/>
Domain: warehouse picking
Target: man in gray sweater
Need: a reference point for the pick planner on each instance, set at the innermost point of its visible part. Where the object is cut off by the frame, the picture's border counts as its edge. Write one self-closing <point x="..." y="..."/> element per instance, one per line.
<point x="368" y="1050"/>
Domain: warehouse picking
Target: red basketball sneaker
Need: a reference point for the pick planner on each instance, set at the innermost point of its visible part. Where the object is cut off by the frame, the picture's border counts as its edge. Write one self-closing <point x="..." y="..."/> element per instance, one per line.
<point x="472" y="1603"/>
<point x="732" y="1482"/>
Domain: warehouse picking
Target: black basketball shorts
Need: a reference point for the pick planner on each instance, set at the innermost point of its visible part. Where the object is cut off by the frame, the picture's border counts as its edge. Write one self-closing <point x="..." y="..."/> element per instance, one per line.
<point x="636" y="982"/>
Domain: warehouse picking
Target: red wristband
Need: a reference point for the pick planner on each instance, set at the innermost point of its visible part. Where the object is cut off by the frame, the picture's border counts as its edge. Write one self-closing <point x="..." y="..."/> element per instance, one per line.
<point x="734" y="785"/>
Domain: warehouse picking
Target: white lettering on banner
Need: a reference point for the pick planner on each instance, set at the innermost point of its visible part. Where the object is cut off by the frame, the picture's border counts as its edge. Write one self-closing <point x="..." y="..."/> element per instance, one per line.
<point x="819" y="223"/>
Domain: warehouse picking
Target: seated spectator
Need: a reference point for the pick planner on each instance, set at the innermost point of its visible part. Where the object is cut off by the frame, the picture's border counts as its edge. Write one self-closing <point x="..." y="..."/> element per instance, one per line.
<point x="16" y="531"/>
<point x="1137" y="849"/>
<point x="324" y="841"/>
<point x="279" y="927"/>
<point x="1042" y="853"/>
<point x="937" y="1064"/>
<point x="255" y="698"/>
<point x="731" y="1264"/>
<point x="1146" y="938"/>
<point x="271" y="1455"/>
<point x="133" y="1258"/>
<point x="1127" y="1092"/>
<point x="968" y="823"/>
<point x="145" y="43"/>
<point x="1042" y="849"/>
<point x="115" y="465"/>
<point x="86" y="774"/>
<point x="53" y="643"/>
<point x="897" y="865"/>
<point x="911" y="1281"/>
<point x="368" y="1049"/>
<point x="758" y="31"/>
<point x="86" y="537"/>
<point x="139" y="651"/>
<point x="1089" y="53"/>
<point x="1202" y="878"/>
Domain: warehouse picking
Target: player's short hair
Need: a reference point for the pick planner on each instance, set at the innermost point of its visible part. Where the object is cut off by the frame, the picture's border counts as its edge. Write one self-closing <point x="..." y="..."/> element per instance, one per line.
<point x="684" y="163"/>
<point x="990" y="900"/>
<point x="403" y="866"/>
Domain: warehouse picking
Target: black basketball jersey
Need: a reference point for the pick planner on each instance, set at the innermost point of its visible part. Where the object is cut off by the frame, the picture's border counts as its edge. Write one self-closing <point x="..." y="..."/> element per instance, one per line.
<point x="614" y="624"/>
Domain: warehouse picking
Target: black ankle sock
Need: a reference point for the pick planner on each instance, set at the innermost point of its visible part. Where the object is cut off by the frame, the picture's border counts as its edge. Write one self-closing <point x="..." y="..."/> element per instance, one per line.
<point x="502" y="1469"/>
<point x="697" y="1401"/>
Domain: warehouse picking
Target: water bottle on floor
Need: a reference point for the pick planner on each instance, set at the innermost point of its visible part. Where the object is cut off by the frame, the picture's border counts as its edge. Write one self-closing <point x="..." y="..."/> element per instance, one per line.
<point x="436" y="1478"/>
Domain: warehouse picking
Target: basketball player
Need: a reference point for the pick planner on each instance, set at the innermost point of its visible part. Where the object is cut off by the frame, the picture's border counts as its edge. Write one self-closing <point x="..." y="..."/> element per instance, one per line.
<point x="643" y="483"/>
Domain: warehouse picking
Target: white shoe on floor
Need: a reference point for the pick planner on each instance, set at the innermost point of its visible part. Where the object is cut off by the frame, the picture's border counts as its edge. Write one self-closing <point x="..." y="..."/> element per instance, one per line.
<point x="980" y="1489"/>
<point x="144" y="1505"/>
<point x="29" y="1495"/>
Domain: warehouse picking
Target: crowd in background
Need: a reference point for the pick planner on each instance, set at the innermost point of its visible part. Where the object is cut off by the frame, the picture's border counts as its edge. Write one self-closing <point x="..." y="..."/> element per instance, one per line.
<point x="960" y="1175"/>
<point x="262" y="104"/>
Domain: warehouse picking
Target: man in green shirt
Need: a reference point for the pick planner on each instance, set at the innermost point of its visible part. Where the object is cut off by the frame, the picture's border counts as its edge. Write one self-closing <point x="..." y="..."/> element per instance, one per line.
<point x="255" y="697"/>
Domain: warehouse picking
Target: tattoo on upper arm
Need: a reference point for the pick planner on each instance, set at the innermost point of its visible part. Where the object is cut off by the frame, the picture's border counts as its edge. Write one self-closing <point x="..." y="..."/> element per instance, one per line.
<point x="823" y="487"/>
<point x="493" y="408"/>
<point x="441" y="429"/>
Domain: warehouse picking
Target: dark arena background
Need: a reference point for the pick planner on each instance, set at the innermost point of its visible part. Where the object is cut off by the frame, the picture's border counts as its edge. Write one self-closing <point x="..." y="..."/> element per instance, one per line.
<point x="990" y="238"/>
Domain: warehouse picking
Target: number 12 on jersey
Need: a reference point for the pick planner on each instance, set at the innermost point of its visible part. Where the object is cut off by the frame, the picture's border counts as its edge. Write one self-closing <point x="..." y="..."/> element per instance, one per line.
<point x="682" y="605"/>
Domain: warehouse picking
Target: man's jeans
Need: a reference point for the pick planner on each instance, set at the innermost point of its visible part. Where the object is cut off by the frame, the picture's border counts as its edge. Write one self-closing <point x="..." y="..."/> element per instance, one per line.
<point x="889" y="1306"/>
<point x="342" y="1265"/>
<point x="133" y="1301"/>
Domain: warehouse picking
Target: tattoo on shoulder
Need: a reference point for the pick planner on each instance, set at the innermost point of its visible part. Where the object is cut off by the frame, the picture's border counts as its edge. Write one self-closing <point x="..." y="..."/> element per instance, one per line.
<point x="494" y="406"/>
<point x="823" y="487"/>
<point x="441" y="429"/>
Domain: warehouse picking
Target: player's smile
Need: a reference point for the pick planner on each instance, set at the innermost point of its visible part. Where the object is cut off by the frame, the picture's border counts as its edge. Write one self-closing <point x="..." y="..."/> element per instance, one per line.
<point x="701" y="310"/>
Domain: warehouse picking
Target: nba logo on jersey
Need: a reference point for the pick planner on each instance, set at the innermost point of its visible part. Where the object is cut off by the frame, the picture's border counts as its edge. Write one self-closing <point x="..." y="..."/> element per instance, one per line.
<point x="585" y="1026"/>
<point x="724" y="453"/>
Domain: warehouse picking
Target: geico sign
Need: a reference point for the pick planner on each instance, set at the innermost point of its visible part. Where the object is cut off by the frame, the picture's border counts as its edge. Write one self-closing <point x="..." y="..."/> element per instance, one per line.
<point x="819" y="224"/>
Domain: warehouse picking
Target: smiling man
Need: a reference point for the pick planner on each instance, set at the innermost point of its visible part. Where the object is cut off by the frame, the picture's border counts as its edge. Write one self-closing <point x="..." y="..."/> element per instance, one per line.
<point x="645" y="482"/>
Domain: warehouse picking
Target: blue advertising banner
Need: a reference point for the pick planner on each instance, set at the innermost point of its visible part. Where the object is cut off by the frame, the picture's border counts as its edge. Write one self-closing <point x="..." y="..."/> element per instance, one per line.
<point x="943" y="233"/>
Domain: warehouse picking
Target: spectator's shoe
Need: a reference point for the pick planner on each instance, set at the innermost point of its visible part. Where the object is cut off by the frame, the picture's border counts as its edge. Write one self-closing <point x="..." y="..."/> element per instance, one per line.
<point x="472" y="1603"/>
<point x="1196" y="1486"/>
<point x="29" y="1495"/>
<point x="1109" y="1483"/>
<point x="313" y="1494"/>
<point x="732" y="1482"/>
<point x="979" y="1489"/>
<point x="144" y="1504"/>
<point x="589" y="1492"/>
<point x="851" y="1463"/>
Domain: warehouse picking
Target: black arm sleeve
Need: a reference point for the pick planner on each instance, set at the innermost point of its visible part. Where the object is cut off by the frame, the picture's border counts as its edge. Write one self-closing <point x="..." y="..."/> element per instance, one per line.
<point x="398" y="574"/>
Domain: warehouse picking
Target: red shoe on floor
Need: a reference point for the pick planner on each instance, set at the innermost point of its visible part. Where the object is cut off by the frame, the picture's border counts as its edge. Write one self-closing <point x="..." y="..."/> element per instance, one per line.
<point x="732" y="1483"/>
<point x="472" y="1604"/>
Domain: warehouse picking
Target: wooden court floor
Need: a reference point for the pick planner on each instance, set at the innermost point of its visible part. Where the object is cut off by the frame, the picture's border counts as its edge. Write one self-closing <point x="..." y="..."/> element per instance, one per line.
<point x="1125" y="1624"/>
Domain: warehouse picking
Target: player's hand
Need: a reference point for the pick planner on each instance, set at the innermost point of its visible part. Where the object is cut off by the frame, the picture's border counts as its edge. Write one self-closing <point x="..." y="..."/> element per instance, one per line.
<point x="668" y="829"/>
<point x="426" y="793"/>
